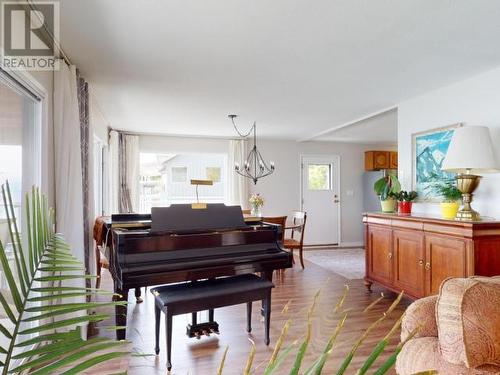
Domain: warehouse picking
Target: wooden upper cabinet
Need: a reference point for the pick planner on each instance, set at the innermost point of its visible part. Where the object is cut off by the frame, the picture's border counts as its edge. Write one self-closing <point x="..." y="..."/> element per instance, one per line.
<point x="376" y="160"/>
<point x="409" y="262"/>
<point x="393" y="160"/>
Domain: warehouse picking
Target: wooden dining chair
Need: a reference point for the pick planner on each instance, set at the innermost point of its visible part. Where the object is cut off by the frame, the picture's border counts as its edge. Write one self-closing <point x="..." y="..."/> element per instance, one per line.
<point x="246" y="212"/>
<point x="296" y="240"/>
<point x="280" y="220"/>
<point x="100" y="242"/>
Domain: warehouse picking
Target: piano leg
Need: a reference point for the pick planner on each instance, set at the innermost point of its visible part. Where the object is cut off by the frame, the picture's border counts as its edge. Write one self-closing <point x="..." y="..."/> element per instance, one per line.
<point x="138" y="298"/>
<point x="121" y="313"/>
<point x="267" y="316"/>
<point x="211" y="315"/>
<point x="268" y="275"/>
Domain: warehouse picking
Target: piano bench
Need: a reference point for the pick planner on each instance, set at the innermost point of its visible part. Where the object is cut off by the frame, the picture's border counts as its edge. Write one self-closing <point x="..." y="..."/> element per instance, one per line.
<point x="203" y="295"/>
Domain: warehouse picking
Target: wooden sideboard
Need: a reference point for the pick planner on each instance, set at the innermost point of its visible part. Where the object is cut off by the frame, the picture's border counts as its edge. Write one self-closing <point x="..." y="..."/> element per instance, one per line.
<point x="415" y="253"/>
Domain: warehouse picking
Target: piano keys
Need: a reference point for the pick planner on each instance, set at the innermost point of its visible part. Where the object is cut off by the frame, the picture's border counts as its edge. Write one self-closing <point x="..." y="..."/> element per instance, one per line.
<point x="184" y="244"/>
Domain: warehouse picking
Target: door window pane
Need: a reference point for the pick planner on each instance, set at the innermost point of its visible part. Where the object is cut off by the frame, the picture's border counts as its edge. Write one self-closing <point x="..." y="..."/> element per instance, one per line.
<point x="319" y="176"/>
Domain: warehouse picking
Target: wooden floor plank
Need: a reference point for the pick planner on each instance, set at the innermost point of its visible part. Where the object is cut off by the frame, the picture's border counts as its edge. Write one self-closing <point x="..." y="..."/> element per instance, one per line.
<point x="296" y="285"/>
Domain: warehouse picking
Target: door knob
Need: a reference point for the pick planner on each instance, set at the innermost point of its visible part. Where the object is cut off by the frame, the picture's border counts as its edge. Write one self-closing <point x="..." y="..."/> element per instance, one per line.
<point x="336" y="201"/>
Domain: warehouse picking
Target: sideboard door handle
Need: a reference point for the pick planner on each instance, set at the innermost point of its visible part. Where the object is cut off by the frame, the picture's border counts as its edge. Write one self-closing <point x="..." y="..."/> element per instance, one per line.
<point x="427" y="266"/>
<point x="390" y="255"/>
<point x="421" y="262"/>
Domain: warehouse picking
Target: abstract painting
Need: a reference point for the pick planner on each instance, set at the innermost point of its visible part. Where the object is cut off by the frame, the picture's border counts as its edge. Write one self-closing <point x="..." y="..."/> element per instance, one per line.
<point x="429" y="151"/>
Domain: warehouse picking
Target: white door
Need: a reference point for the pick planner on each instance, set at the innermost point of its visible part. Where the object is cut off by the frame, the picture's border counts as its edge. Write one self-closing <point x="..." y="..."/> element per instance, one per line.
<point x="321" y="199"/>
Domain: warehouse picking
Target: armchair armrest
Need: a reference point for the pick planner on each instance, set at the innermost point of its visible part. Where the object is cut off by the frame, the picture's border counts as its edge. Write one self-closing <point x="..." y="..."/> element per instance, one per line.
<point x="421" y="313"/>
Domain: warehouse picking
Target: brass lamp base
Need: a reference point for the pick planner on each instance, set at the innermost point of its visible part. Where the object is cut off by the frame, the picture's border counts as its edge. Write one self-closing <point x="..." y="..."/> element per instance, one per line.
<point x="467" y="183"/>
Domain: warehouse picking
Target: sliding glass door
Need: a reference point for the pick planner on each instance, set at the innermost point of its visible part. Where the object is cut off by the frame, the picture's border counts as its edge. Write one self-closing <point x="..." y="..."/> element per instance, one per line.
<point x="19" y="160"/>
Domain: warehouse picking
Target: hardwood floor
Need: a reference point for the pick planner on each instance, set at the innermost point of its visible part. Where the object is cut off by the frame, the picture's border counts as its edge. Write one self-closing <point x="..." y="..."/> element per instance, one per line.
<point x="296" y="285"/>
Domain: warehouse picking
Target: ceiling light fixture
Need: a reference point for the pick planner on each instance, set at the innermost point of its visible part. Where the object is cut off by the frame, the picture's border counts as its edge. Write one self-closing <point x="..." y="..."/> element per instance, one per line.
<point x="254" y="167"/>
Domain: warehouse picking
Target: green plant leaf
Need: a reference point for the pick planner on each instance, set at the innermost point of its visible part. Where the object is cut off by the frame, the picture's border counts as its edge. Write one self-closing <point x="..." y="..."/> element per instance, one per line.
<point x="7" y="309"/>
<point x="63" y="277"/>
<point x="279" y="360"/>
<point x="65" y="323"/>
<point x="10" y="279"/>
<point x="5" y="331"/>
<point x="68" y="295"/>
<point x="57" y="312"/>
<point x="94" y="361"/>
<point x="73" y="334"/>
<point x="84" y="348"/>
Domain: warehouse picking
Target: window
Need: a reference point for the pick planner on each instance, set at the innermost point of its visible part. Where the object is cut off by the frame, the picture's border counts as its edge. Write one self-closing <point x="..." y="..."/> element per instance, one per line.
<point x="165" y="178"/>
<point x="319" y="176"/>
<point x="19" y="163"/>
<point x="179" y="174"/>
<point x="213" y="173"/>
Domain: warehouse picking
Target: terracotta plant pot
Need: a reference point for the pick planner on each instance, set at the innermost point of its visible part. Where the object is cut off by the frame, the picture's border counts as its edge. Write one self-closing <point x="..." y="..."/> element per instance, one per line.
<point x="404" y="207"/>
<point x="389" y="205"/>
<point x="449" y="210"/>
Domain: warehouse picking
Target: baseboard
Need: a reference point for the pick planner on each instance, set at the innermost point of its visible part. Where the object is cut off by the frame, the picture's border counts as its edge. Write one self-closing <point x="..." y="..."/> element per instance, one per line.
<point x="352" y="244"/>
<point x="335" y="246"/>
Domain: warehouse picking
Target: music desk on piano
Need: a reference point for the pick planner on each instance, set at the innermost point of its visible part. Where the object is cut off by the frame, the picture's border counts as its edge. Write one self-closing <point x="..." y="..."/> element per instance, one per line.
<point x="182" y="244"/>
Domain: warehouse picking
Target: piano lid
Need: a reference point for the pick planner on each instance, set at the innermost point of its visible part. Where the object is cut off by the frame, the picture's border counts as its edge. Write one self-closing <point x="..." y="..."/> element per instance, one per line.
<point x="182" y="218"/>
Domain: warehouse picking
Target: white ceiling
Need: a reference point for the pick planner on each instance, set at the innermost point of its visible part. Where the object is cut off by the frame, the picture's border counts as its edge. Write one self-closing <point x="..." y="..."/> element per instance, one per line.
<point x="380" y="129"/>
<point x="298" y="67"/>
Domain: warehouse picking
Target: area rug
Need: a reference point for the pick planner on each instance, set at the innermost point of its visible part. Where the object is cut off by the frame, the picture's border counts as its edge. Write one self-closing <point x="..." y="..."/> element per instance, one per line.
<point x="349" y="263"/>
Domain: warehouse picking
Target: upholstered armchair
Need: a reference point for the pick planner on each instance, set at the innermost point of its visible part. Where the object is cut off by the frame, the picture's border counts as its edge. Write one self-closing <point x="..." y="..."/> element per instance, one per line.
<point x="459" y="330"/>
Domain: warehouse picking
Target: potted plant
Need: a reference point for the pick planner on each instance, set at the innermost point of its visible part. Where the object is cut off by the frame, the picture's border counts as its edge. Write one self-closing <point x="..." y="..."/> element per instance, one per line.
<point x="405" y="199"/>
<point x="450" y="199"/>
<point x="386" y="188"/>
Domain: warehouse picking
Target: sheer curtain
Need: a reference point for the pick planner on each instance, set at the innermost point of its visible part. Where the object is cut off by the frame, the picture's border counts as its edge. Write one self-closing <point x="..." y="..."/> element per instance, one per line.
<point x="124" y="170"/>
<point x="238" y="185"/>
<point x="67" y="160"/>
<point x="68" y="168"/>
<point x="113" y="181"/>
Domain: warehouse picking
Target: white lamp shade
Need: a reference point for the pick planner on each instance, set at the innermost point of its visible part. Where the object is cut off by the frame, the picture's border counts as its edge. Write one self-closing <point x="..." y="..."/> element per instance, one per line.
<point x="471" y="149"/>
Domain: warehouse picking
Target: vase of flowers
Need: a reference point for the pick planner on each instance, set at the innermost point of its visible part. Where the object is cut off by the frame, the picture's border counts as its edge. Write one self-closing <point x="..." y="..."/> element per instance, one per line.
<point x="256" y="203"/>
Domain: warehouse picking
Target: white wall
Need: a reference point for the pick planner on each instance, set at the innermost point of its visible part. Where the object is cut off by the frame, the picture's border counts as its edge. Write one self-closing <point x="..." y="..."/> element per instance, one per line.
<point x="98" y="121"/>
<point x="475" y="101"/>
<point x="281" y="190"/>
<point x="171" y="144"/>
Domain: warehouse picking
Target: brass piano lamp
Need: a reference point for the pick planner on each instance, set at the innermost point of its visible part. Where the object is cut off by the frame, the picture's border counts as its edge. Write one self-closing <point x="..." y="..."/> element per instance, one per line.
<point x="198" y="205"/>
<point x="470" y="153"/>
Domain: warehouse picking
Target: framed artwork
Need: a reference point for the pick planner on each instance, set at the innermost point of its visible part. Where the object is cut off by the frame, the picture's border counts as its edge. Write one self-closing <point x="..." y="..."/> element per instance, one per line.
<point x="428" y="151"/>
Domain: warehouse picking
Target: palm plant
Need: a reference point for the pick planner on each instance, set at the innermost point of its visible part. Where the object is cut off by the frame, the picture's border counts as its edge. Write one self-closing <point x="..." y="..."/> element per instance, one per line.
<point x="43" y="339"/>
<point x="279" y="355"/>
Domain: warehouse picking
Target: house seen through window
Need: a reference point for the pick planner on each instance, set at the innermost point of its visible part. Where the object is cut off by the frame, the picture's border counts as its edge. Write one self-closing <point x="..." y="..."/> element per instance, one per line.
<point x="165" y="179"/>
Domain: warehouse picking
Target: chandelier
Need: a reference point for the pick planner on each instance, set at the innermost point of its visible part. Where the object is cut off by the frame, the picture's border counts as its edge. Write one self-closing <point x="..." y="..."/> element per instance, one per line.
<point x="254" y="167"/>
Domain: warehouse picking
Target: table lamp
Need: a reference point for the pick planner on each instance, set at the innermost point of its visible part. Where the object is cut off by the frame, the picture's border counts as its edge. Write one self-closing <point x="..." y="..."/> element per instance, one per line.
<point x="470" y="153"/>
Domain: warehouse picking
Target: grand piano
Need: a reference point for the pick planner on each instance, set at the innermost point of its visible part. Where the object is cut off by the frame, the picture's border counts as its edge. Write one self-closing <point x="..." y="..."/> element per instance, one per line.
<point x="182" y="244"/>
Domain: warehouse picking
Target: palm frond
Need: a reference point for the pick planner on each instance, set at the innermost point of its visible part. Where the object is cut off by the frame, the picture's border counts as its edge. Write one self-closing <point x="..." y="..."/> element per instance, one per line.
<point x="35" y="281"/>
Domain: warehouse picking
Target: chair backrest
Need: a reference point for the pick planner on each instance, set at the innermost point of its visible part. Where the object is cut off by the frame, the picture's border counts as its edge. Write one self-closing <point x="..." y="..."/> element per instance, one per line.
<point x="246" y="212"/>
<point x="280" y="220"/>
<point x="299" y="221"/>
